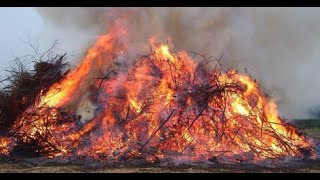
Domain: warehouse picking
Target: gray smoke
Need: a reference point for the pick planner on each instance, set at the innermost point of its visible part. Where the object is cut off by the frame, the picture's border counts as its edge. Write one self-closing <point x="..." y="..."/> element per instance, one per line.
<point x="278" y="46"/>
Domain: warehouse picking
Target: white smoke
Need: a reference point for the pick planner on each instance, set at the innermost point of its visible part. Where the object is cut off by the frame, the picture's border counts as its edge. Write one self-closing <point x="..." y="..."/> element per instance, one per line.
<point x="87" y="111"/>
<point x="278" y="46"/>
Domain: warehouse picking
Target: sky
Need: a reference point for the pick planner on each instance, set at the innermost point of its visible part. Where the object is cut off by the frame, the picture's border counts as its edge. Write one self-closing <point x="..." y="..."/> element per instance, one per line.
<point x="20" y="25"/>
<point x="17" y="25"/>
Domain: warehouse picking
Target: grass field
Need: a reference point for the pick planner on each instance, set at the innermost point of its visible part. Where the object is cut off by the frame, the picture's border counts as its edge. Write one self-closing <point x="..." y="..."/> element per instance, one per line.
<point x="310" y="126"/>
<point x="315" y="132"/>
<point x="306" y="123"/>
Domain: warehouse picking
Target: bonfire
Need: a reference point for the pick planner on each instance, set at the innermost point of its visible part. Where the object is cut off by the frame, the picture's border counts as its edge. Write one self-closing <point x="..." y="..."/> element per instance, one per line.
<point x="164" y="105"/>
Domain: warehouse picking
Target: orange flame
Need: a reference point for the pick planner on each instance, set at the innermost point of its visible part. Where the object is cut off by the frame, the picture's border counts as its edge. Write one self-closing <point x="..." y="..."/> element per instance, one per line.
<point x="6" y="145"/>
<point x="166" y="106"/>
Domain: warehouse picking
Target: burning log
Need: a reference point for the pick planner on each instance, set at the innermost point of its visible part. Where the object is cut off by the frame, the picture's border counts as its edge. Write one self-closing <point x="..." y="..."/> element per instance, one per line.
<point x="163" y="106"/>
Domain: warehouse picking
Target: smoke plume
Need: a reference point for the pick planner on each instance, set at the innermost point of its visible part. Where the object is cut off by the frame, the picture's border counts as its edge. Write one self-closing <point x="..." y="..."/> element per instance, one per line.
<point x="278" y="46"/>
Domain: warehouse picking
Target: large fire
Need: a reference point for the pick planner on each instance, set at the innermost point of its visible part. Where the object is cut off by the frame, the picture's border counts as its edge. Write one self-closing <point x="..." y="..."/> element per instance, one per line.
<point x="163" y="105"/>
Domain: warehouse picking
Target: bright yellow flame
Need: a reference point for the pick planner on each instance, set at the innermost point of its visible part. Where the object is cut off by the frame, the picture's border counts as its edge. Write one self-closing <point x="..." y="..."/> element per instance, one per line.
<point x="164" y="53"/>
<point x="238" y="108"/>
<point x="247" y="81"/>
<point x="135" y="105"/>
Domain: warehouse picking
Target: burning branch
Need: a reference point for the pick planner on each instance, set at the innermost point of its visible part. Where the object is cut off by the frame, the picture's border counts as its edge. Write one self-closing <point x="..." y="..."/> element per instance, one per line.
<point x="165" y="105"/>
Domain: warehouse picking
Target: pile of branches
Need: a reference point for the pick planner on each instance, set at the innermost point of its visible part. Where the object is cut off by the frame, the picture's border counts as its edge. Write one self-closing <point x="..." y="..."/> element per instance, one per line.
<point x="206" y="111"/>
<point x="202" y="89"/>
<point x="22" y="85"/>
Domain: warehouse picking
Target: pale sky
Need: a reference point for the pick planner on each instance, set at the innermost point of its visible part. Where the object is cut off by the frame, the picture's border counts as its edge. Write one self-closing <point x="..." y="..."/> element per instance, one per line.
<point x="17" y="24"/>
<point x="21" y="24"/>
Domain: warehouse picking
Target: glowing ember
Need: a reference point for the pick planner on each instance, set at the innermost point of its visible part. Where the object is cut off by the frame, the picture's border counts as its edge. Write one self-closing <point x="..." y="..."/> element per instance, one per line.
<point x="164" y="106"/>
<point x="6" y="145"/>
